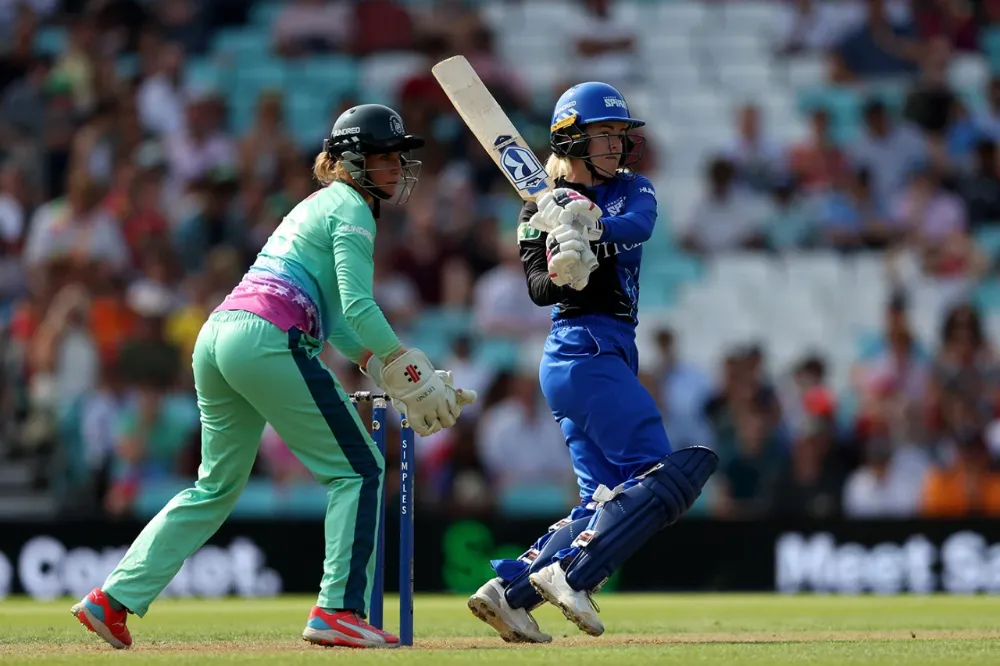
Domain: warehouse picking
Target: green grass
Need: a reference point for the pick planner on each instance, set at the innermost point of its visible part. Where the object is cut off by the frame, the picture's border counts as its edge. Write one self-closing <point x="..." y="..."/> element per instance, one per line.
<point x="653" y="628"/>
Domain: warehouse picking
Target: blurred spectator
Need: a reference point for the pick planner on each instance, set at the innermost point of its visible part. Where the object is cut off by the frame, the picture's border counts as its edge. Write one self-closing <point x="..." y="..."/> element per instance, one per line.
<point x="759" y="162"/>
<point x="524" y="482"/>
<point x="181" y="21"/>
<point x="203" y="146"/>
<point x="792" y="221"/>
<point x="14" y="202"/>
<point x="810" y="483"/>
<point x="22" y="103"/>
<point x="896" y="370"/>
<point x="929" y="103"/>
<point x="814" y="25"/>
<point x="152" y="433"/>
<point x="935" y="223"/>
<point x="817" y="162"/>
<point x="604" y="47"/>
<point x="853" y="217"/>
<point x="727" y="217"/>
<point x="76" y="228"/>
<point x="882" y="47"/>
<point x="966" y="361"/>
<point x="395" y="292"/>
<point x="17" y="57"/>
<point x="160" y="98"/>
<point x="469" y="372"/>
<point x="951" y="20"/>
<point x="747" y="476"/>
<point x="966" y="485"/>
<point x="805" y="395"/>
<point x="682" y="392"/>
<point x="381" y="26"/>
<point x="313" y="26"/>
<point x="980" y="190"/>
<point x="988" y="119"/>
<point x="888" y="150"/>
<point x="887" y="485"/>
<point x="501" y="305"/>
<point x="77" y="65"/>
<point x="267" y="150"/>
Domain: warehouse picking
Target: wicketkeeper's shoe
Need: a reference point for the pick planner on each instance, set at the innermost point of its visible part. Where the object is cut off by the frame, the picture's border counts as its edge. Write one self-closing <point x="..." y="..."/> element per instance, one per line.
<point x="578" y="607"/>
<point x="515" y="625"/>
<point x="345" y="629"/>
<point x="95" y="613"/>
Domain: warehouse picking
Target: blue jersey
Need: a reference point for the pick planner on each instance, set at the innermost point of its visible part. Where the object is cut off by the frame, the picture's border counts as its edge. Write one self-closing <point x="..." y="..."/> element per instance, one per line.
<point x="629" y="205"/>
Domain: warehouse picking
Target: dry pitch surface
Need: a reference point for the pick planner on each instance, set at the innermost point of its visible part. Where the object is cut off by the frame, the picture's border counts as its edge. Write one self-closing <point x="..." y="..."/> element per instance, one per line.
<point x="641" y="629"/>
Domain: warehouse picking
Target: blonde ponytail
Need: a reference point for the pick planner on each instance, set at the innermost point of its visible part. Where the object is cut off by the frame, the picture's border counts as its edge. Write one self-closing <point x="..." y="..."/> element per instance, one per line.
<point x="558" y="166"/>
<point x="326" y="170"/>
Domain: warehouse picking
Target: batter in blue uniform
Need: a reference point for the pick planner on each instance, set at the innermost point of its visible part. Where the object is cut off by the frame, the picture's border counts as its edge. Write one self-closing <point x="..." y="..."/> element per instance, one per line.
<point x="581" y="247"/>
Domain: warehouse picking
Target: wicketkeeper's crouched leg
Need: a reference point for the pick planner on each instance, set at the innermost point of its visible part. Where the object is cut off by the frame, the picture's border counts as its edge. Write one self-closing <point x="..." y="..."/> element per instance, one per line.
<point x="231" y="431"/>
<point x="304" y="402"/>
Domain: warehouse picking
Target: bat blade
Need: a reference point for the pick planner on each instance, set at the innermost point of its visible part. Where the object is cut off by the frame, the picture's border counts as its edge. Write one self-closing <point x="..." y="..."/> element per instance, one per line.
<point x="491" y="126"/>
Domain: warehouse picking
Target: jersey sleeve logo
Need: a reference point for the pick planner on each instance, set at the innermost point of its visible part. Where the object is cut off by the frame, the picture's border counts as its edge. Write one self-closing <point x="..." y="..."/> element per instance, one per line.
<point x="355" y="229"/>
<point x="527" y="232"/>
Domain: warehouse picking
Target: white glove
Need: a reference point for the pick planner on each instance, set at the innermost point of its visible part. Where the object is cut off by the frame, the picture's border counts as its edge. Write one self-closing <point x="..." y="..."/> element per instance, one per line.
<point x="377" y="372"/>
<point x="570" y="259"/>
<point x="563" y="206"/>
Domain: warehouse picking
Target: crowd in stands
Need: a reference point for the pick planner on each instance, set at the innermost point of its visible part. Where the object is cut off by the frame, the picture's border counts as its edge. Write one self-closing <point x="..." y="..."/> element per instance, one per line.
<point x="132" y="200"/>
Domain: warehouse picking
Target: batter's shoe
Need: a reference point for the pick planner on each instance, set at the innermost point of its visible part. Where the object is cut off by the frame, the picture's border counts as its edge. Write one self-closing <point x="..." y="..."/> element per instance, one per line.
<point x="515" y="625"/>
<point x="95" y="613"/>
<point x="345" y="629"/>
<point x="578" y="607"/>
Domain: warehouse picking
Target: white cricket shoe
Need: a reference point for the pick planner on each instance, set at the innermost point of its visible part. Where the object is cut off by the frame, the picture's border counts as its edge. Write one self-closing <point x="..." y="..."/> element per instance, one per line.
<point x="578" y="607"/>
<point x="515" y="625"/>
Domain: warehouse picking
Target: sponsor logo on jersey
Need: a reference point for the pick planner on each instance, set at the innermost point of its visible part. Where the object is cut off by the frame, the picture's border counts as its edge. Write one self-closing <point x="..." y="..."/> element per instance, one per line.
<point x="355" y="229"/>
<point x="527" y="232"/>
<point x="646" y="190"/>
<point x="615" y="207"/>
<point x="613" y="102"/>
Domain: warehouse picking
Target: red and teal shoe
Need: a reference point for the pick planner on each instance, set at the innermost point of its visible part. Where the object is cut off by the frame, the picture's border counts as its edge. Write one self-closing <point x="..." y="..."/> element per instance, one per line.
<point x="345" y="629"/>
<point x="95" y="613"/>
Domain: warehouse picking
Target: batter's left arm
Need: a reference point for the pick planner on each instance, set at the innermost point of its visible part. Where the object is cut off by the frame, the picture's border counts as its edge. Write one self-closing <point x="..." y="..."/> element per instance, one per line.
<point x="635" y="225"/>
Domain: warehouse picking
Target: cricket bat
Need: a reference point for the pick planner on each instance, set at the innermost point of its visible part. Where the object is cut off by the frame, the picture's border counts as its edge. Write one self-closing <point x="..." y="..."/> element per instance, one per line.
<point x="481" y="113"/>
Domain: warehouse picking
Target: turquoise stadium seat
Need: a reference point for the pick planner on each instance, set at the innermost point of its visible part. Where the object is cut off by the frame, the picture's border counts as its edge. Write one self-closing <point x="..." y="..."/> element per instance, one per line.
<point x="306" y="117"/>
<point x="51" y="40"/>
<point x="204" y="73"/>
<point x="264" y="14"/>
<point x="843" y="105"/>
<point x="241" y="42"/>
<point x="329" y="78"/>
<point x="987" y="296"/>
<point x="501" y="354"/>
<point x="988" y="240"/>
<point x="990" y="41"/>
<point x="127" y="66"/>
<point x="262" y="76"/>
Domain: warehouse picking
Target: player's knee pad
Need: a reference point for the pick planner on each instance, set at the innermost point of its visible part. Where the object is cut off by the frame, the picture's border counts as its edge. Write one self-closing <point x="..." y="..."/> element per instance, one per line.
<point x="626" y="521"/>
<point x="554" y="544"/>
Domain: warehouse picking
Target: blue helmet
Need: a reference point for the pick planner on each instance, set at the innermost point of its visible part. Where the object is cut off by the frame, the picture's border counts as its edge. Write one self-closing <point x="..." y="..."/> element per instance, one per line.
<point x="588" y="103"/>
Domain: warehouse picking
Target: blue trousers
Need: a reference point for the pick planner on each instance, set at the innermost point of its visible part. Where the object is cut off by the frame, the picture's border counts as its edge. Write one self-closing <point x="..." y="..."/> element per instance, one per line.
<point x="590" y="377"/>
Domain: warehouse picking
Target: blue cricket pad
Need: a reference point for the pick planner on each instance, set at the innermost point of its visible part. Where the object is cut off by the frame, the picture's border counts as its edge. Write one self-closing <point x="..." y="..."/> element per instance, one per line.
<point x="554" y="543"/>
<point x="622" y="525"/>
